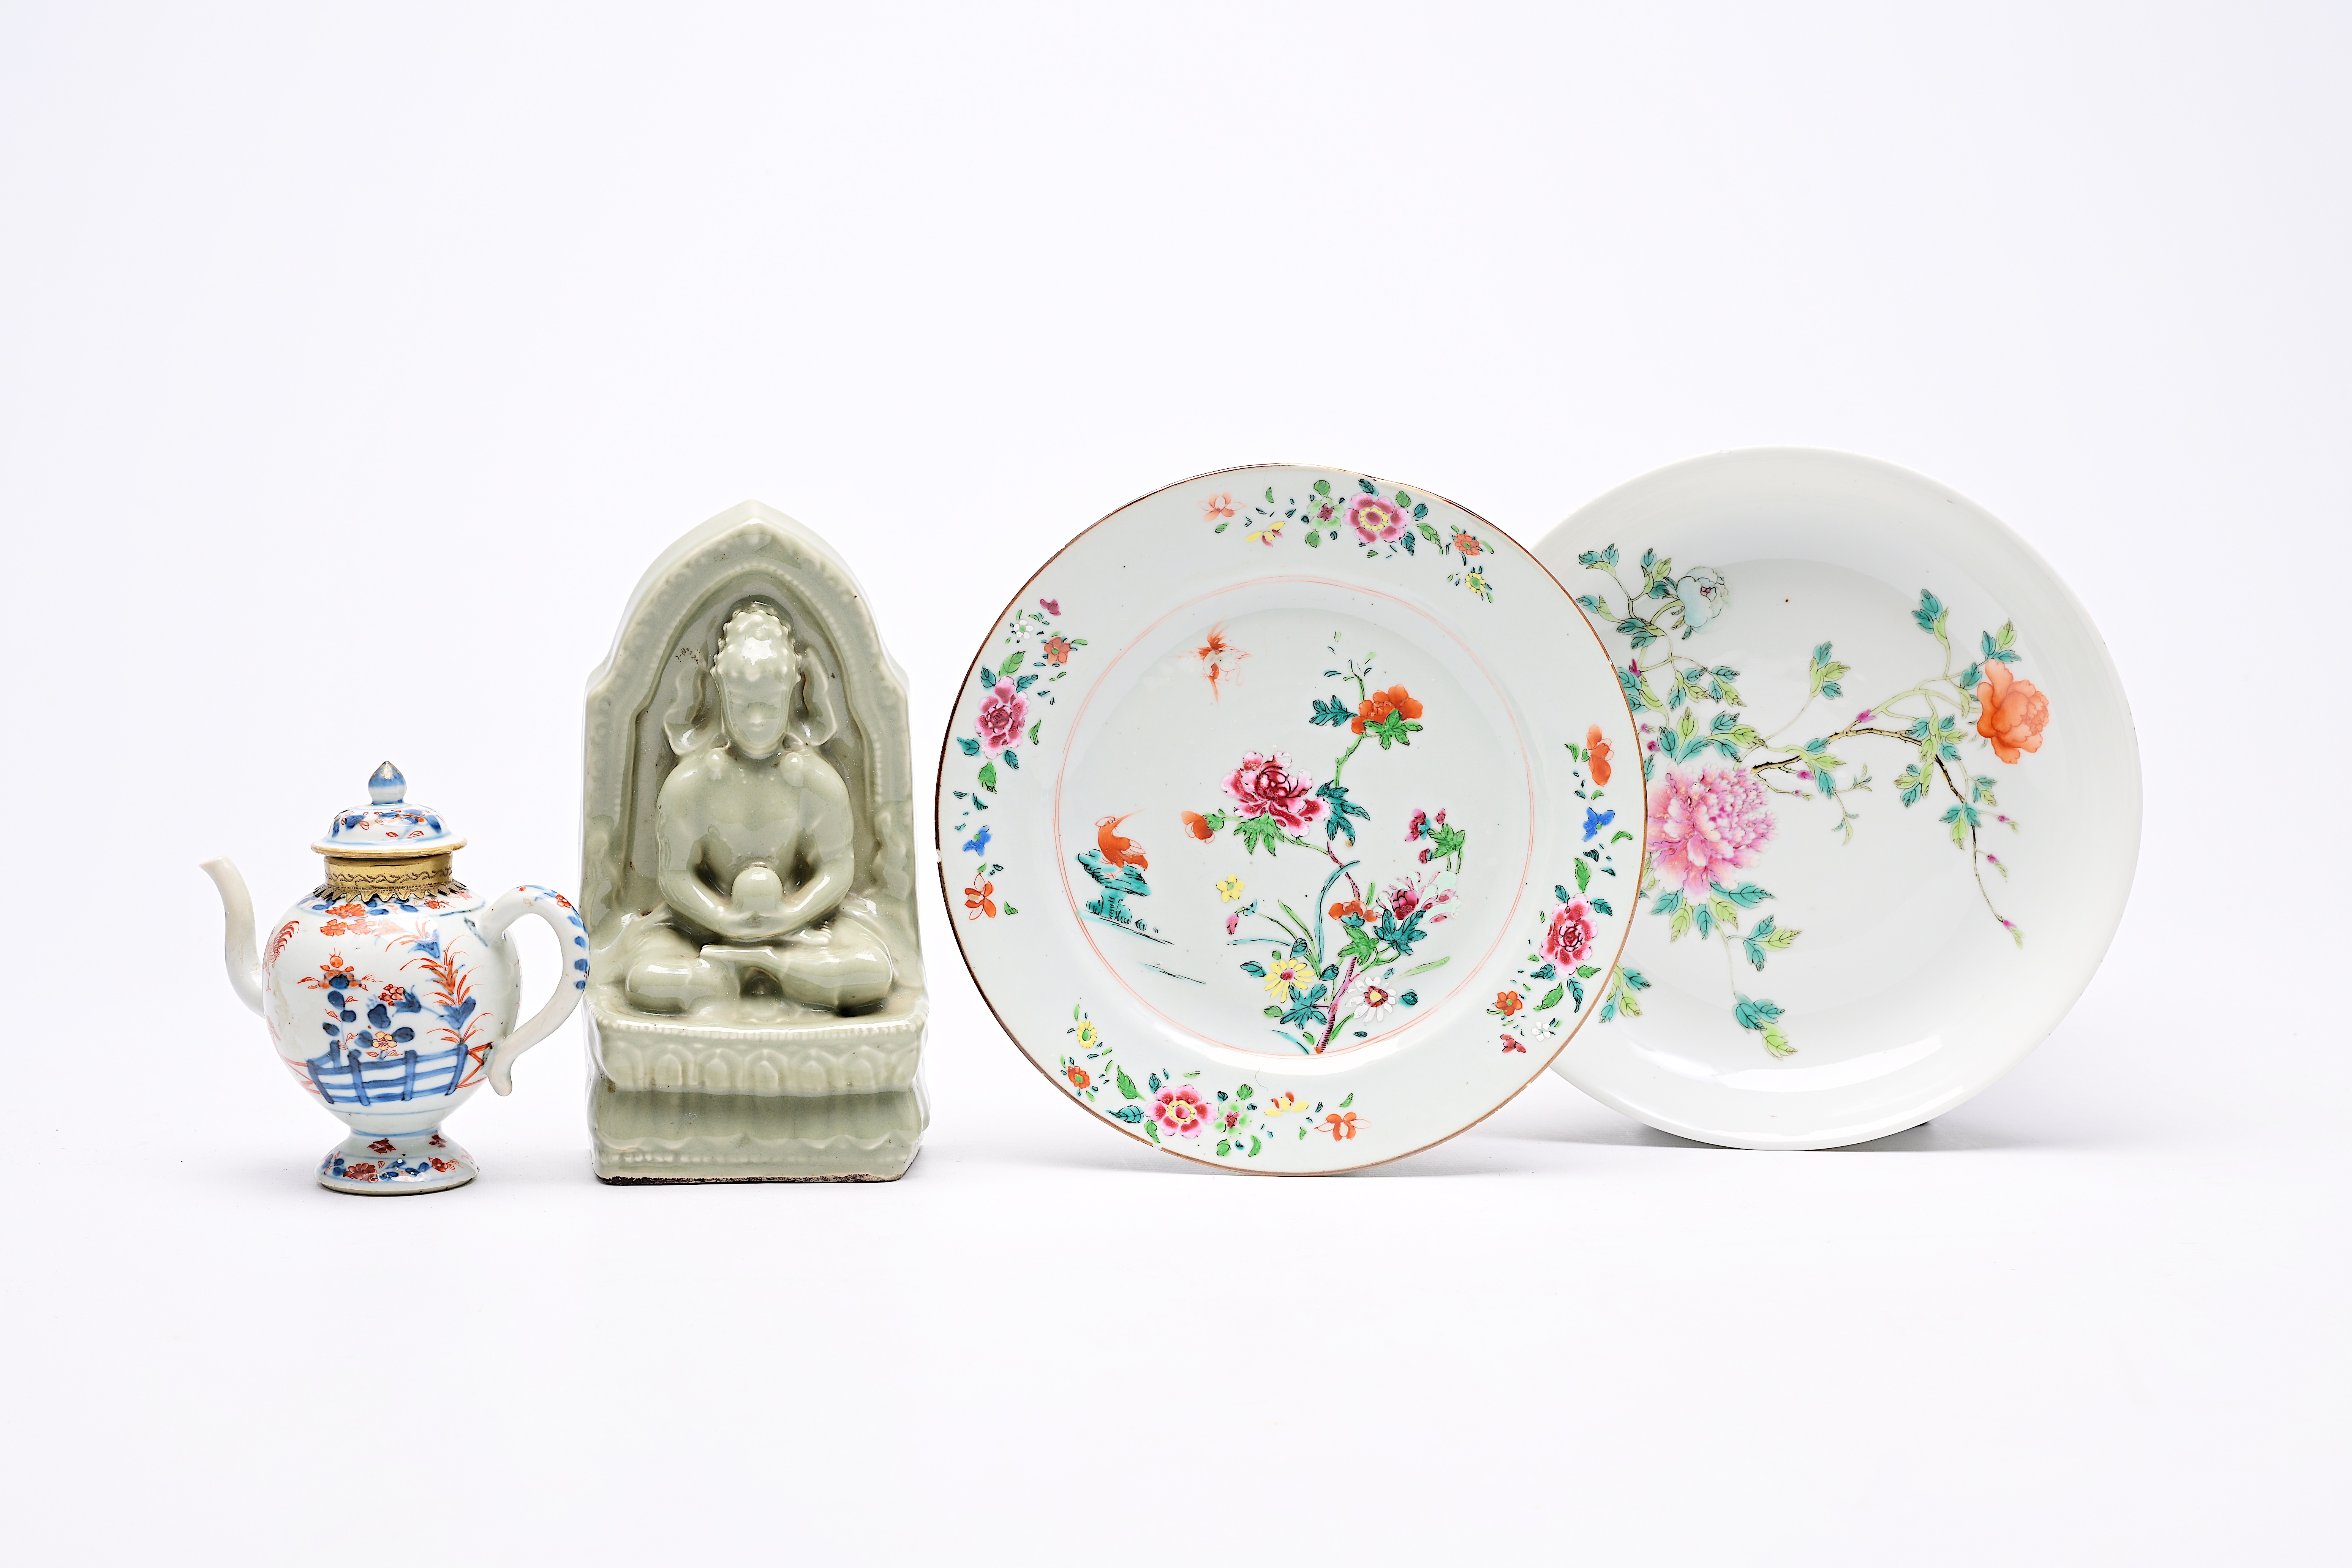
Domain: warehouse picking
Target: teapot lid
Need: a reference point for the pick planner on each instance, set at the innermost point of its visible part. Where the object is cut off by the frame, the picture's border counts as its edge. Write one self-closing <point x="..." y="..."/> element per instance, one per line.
<point x="387" y="828"/>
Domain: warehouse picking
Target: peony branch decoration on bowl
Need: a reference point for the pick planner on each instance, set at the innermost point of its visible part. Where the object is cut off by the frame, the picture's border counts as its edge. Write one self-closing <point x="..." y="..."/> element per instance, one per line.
<point x="1709" y="822"/>
<point x="1351" y="962"/>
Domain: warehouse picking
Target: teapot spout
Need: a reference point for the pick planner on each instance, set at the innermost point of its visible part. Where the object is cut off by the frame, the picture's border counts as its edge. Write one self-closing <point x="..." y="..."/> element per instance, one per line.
<point x="237" y="907"/>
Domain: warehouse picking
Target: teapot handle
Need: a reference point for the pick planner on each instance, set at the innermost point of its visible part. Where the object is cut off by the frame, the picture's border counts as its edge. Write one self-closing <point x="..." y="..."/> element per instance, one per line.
<point x="572" y="939"/>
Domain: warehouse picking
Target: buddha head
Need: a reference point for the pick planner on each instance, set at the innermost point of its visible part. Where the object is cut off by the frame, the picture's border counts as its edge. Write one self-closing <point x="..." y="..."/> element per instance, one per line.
<point x="758" y="678"/>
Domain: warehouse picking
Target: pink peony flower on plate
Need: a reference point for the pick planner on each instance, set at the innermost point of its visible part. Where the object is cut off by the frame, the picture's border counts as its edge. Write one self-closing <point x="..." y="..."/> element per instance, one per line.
<point x="1702" y="825"/>
<point x="1001" y="713"/>
<point x="1266" y="787"/>
<point x="1180" y="1111"/>
<point x="1569" y="936"/>
<point x="1405" y="897"/>
<point x="1374" y="520"/>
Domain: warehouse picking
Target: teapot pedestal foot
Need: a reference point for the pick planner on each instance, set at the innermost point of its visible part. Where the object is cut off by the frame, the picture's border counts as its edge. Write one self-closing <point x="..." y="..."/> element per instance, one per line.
<point x="390" y="1164"/>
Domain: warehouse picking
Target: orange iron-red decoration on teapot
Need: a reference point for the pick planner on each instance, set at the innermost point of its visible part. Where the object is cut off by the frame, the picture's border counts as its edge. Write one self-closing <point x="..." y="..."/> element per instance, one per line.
<point x="392" y="992"/>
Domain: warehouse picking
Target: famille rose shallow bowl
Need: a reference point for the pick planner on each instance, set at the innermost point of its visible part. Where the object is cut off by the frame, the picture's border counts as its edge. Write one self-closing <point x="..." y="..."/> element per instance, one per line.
<point x="1279" y="823"/>
<point x="1892" y="797"/>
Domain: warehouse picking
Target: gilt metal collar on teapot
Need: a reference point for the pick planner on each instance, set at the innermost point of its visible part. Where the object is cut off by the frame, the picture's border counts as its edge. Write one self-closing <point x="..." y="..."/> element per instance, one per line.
<point x="387" y="843"/>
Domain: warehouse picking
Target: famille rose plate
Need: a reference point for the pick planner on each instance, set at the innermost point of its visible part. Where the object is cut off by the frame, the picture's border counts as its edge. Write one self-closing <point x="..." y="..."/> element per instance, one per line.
<point x="1276" y="820"/>
<point x="1893" y="798"/>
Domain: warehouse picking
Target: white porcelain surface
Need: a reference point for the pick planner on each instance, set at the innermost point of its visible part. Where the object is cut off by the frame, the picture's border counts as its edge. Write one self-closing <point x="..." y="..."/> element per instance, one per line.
<point x="1252" y="826"/>
<point x="389" y="826"/>
<point x="1815" y="961"/>
<point x="390" y="1009"/>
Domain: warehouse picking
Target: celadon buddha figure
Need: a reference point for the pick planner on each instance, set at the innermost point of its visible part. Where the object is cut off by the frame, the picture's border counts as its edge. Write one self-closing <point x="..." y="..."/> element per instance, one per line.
<point x="752" y="849"/>
<point x="755" y="1003"/>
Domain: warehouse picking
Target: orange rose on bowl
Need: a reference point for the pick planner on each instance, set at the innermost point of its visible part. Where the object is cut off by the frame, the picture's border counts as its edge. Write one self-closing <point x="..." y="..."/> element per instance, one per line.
<point x="2014" y="713"/>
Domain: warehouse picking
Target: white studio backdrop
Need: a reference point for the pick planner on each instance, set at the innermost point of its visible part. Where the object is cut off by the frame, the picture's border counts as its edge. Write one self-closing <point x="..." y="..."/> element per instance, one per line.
<point x="353" y="364"/>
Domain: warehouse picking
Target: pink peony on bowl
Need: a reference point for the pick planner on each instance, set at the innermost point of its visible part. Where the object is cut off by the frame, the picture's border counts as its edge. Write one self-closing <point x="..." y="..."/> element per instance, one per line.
<point x="1892" y="797"/>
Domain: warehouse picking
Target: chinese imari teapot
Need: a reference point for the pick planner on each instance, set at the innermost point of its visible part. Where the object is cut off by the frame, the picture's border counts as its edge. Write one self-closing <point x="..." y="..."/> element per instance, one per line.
<point x="391" y="992"/>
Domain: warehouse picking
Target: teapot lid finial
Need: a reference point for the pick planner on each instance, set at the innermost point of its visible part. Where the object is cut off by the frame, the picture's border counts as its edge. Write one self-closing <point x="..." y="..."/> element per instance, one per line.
<point x="387" y="827"/>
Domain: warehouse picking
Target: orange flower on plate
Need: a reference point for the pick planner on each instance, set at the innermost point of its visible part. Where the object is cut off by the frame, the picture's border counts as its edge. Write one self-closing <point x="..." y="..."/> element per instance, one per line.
<point x="1341" y="1125"/>
<point x="1468" y="544"/>
<point x="1215" y="507"/>
<point x="1375" y="709"/>
<point x="980" y="900"/>
<point x="1198" y="826"/>
<point x="1598" y="749"/>
<point x="1509" y="1001"/>
<point x="2015" y="713"/>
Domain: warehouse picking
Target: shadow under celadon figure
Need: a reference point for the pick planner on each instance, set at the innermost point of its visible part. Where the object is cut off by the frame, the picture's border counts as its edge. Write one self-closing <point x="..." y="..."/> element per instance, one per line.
<point x="756" y="1000"/>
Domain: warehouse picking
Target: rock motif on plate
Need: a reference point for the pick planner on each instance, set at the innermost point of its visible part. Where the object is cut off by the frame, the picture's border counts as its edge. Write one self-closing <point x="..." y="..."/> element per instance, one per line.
<point x="1720" y="789"/>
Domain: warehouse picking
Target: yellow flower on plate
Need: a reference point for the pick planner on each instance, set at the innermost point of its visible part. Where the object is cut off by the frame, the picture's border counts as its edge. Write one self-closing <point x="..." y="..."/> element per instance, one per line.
<point x="1087" y="1035"/>
<point x="1229" y="888"/>
<point x="1288" y="975"/>
<point x="1282" y="1105"/>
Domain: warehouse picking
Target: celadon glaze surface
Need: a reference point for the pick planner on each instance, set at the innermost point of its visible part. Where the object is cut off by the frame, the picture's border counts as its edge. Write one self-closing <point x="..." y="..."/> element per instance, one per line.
<point x="756" y="1000"/>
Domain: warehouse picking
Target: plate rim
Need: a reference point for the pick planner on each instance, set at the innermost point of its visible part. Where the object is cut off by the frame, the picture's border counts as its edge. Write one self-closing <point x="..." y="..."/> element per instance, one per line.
<point x="947" y="744"/>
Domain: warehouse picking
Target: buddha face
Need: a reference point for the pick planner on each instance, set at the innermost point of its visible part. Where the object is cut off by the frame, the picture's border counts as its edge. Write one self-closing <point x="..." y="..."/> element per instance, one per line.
<point x="758" y="674"/>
